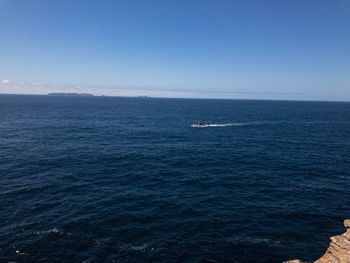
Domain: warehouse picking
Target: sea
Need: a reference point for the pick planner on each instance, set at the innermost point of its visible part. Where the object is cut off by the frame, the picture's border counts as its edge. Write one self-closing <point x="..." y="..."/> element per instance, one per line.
<point x="108" y="179"/>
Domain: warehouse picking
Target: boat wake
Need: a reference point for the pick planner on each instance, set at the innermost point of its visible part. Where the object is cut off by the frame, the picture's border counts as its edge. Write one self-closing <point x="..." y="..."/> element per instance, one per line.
<point x="206" y="125"/>
<point x="269" y="123"/>
<point x="229" y="124"/>
<point x="225" y="124"/>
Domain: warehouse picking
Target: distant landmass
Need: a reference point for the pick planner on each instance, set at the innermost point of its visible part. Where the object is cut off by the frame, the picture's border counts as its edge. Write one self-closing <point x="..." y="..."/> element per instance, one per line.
<point x="70" y="94"/>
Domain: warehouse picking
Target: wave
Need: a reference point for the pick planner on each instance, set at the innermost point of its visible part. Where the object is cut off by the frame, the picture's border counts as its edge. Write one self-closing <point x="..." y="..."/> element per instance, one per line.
<point x="255" y="241"/>
<point x="146" y="247"/>
<point x="49" y="231"/>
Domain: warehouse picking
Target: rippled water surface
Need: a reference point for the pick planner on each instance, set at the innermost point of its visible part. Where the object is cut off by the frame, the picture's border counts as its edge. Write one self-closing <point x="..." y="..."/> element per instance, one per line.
<point x="106" y="179"/>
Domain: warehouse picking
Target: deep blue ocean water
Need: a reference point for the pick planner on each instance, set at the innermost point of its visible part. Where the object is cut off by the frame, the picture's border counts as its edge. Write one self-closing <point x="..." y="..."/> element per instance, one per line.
<point x="106" y="179"/>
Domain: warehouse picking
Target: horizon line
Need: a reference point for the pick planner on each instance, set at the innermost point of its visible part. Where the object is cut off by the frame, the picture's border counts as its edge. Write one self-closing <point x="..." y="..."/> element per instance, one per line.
<point x="160" y="97"/>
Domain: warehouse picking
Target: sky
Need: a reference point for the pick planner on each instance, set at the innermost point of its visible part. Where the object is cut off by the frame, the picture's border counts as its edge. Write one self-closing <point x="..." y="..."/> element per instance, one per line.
<point x="248" y="49"/>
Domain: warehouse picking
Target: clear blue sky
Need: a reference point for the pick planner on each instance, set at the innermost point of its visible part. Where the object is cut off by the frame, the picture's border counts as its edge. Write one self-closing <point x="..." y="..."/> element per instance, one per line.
<point x="277" y="49"/>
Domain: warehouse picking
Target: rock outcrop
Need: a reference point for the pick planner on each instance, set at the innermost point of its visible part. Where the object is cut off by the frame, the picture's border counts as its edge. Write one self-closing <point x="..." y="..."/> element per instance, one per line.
<point x="338" y="250"/>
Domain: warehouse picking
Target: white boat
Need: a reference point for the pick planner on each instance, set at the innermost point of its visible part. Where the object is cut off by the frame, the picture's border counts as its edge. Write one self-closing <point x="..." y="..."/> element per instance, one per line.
<point x="199" y="124"/>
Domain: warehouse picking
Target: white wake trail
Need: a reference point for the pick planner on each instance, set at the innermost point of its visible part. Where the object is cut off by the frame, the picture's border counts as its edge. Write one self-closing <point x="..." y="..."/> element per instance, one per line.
<point x="231" y="124"/>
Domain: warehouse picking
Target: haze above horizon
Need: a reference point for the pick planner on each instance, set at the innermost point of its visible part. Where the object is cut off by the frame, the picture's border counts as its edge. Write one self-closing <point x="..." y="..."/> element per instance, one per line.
<point x="294" y="50"/>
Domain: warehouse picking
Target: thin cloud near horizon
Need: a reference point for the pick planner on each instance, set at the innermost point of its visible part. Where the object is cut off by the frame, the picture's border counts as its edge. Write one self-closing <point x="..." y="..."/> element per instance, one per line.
<point x="14" y="87"/>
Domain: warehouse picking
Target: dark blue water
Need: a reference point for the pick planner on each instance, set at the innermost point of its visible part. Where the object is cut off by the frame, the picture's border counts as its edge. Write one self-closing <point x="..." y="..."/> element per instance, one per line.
<point x="128" y="180"/>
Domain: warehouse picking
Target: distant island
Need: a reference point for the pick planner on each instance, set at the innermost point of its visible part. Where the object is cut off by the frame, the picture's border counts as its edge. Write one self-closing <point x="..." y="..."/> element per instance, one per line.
<point x="70" y="94"/>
